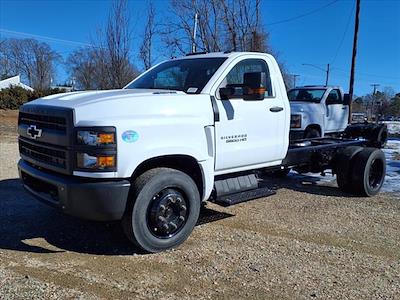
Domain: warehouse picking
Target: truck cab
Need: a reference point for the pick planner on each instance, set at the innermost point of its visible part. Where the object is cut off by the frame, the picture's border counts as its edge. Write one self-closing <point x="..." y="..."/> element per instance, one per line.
<point x="317" y="111"/>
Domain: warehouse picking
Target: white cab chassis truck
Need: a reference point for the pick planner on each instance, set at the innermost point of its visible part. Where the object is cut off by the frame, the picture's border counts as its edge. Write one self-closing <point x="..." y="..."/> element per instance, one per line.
<point x="190" y="129"/>
<point x="317" y="111"/>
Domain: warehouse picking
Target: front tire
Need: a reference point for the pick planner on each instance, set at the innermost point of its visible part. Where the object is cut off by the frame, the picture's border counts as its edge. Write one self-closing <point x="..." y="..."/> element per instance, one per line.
<point x="162" y="211"/>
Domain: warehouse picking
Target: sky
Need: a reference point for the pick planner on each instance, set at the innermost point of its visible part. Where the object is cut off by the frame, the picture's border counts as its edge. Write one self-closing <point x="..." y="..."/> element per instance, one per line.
<point x="306" y="35"/>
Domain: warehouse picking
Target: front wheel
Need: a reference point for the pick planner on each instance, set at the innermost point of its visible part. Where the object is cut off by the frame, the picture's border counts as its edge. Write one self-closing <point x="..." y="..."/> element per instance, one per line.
<point x="162" y="211"/>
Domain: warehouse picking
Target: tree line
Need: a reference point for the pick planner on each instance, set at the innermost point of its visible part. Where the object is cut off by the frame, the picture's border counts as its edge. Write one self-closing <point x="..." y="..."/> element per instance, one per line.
<point x="381" y="104"/>
<point x="108" y="63"/>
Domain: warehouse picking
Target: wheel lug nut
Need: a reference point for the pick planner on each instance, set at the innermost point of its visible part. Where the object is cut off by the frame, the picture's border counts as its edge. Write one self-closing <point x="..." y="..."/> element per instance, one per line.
<point x="162" y="207"/>
<point x="179" y="200"/>
<point x="182" y="218"/>
<point x="165" y="226"/>
<point x="173" y="225"/>
<point x="183" y="207"/>
<point x="161" y="219"/>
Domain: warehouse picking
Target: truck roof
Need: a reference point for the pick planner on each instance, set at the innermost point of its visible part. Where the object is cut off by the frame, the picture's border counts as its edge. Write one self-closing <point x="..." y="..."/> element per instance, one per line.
<point x="220" y="54"/>
<point x="318" y="87"/>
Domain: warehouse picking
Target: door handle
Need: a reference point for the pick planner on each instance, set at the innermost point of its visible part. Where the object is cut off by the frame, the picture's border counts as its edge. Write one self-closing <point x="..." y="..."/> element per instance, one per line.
<point x="276" y="109"/>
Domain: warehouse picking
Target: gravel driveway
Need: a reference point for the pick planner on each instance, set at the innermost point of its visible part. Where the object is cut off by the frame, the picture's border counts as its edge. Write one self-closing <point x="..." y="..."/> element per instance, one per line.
<point x="309" y="241"/>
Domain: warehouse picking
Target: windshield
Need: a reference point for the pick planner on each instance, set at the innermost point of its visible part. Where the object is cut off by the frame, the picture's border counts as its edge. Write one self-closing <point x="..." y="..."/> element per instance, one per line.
<point x="307" y="95"/>
<point x="187" y="75"/>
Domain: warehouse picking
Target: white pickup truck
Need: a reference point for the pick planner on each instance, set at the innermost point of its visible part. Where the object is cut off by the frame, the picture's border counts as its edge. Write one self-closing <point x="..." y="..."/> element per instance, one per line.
<point x="317" y="111"/>
<point x="188" y="130"/>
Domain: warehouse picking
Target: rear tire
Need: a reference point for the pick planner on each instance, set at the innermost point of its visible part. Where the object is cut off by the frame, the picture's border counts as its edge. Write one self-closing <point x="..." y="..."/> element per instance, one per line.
<point x="368" y="172"/>
<point x="344" y="164"/>
<point x="162" y="211"/>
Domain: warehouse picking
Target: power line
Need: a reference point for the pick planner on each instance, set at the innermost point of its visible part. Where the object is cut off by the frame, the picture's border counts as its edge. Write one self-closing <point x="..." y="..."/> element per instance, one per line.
<point x="344" y="34"/>
<point x="303" y="15"/>
<point x="42" y="37"/>
<point x="368" y="74"/>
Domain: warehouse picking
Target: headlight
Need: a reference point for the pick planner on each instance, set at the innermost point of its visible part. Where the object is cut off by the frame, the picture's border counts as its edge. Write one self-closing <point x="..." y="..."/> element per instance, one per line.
<point x="295" y="121"/>
<point x="96" y="137"/>
<point x="96" y="161"/>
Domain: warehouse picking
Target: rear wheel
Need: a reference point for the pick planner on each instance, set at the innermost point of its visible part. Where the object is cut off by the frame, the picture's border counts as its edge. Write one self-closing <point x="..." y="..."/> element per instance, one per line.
<point x="343" y="164"/>
<point x="368" y="172"/>
<point x="163" y="209"/>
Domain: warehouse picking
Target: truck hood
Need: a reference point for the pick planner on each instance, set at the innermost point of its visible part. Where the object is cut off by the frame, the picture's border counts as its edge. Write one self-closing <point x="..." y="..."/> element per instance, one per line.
<point x="83" y="98"/>
<point x="96" y="108"/>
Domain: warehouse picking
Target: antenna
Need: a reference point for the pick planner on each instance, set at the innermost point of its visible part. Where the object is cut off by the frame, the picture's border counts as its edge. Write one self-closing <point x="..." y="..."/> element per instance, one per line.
<point x="194" y="33"/>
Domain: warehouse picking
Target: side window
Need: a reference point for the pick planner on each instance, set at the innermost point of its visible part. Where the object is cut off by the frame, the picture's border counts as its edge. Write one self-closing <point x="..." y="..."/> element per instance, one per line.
<point x="334" y="97"/>
<point x="235" y="76"/>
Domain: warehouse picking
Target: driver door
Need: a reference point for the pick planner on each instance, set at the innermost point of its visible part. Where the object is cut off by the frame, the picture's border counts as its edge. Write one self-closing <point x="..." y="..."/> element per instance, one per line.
<point x="249" y="133"/>
<point x="336" y="112"/>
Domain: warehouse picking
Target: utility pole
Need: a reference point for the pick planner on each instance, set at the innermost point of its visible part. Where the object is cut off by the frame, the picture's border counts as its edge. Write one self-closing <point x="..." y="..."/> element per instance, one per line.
<point x="374" y="102"/>
<point x="327" y="75"/>
<point x="194" y="33"/>
<point x="294" y="79"/>
<point x="375" y="85"/>
<point x="327" y="70"/>
<point x="353" y="58"/>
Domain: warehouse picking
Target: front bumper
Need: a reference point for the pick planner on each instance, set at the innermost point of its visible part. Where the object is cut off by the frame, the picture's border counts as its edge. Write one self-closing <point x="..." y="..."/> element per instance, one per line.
<point x="92" y="199"/>
<point x="296" y="135"/>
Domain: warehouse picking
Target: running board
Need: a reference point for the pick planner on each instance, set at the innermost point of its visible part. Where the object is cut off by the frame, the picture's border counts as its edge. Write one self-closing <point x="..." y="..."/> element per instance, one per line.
<point x="239" y="189"/>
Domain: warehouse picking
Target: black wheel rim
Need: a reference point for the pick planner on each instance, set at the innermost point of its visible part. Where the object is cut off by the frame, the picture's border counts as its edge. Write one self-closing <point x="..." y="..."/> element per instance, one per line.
<point x="167" y="213"/>
<point x="375" y="174"/>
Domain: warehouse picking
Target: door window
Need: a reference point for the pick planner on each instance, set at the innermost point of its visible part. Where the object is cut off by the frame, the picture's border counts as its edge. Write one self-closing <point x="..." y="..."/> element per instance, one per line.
<point x="235" y="76"/>
<point x="334" y="97"/>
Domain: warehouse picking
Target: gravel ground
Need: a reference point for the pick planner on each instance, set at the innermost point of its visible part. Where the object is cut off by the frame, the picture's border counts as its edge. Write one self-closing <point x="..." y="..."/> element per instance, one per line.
<point x="309" y="241"/>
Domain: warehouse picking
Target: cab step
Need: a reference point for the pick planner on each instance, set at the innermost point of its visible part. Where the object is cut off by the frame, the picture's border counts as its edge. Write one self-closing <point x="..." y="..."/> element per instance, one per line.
<point x="233" y="199"/>
<point x="231" y="191"/>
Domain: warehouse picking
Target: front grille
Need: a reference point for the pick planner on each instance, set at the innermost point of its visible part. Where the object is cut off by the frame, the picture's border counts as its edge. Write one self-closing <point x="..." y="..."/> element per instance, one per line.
<point x="44" y="154"/>
<point x="43" y="121"/>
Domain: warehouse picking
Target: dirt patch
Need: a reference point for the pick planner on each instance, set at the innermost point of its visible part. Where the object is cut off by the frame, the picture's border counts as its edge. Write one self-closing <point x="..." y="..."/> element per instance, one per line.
<point x="8" y="125"/>
<point x="307" y="241"/>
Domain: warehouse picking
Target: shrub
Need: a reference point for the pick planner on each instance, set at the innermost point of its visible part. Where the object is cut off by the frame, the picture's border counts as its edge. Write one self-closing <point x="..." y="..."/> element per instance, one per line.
<point x="13" y="97"/>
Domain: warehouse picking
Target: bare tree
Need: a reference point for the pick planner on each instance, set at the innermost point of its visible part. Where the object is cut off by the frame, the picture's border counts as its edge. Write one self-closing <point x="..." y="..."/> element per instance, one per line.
<point x="145" y="52"/>
<point x="178" y="32"/>
<point x="222" y="25"/>
<point x="34" y="60"/>
<point x="82" y="67"/>
<point x="117" y="45"/>
<point x="106" y="64"/>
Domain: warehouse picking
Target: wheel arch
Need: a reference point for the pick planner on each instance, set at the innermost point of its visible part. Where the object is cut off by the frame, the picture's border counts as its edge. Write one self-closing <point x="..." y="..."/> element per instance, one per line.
<point x="314" y="126"/>
<point x="181" y="162"/>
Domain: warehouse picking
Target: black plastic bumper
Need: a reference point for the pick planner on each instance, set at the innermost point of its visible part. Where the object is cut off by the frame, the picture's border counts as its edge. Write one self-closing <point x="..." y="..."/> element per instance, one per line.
<point x="296" y="135"/>
<point x="93" y="199"/>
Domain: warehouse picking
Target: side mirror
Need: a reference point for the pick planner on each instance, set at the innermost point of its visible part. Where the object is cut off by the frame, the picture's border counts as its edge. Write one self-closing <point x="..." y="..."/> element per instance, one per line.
<point x="253" y="86"/>
<point x="226" y="92"/>
<point x="346" y="99"/>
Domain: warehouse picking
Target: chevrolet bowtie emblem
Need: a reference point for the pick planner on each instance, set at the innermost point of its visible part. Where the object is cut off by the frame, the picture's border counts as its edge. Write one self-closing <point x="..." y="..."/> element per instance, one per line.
<point x="34" y="132"/>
